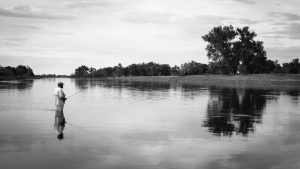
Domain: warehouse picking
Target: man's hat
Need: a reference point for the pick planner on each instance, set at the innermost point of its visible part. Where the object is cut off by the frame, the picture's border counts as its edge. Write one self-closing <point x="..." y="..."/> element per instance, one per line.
<point x="60" y="83"/>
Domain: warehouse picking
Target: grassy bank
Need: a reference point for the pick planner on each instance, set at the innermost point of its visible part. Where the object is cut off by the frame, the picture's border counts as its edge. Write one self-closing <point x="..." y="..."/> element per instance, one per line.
<point x="254" y="80"/>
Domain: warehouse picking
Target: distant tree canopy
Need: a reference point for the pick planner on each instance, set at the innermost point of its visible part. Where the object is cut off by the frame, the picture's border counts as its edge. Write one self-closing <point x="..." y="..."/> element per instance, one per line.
<point x="143" y="69"/>
<point x="188" y="68"/>
<point x="20" y="71"/>
<point x="235" y="50"/>
<point x="82" y="71"/>
<point x="292" y="67"/>
<point x="193" y="68"/>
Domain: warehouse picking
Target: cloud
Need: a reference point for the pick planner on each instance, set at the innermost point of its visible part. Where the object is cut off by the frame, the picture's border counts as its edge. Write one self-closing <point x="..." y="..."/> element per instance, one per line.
<point x="283" y="54"/>
<point x="177" y="18"/>
<point x="27" y="12"/>
<point x="193" y="25"/>
<point x="289" y="30"/>
<point x="220" y="20"/>
<point x="285" y="16"/>
<point x="146" y="17"/>
<point x="245" y="1"/>
<point x="156" y="17"/>
<point x="241" y="21"/>
<point x="19" y="40"/>
<point x="293" y="31"/>
<point x="31" y="27"/>
<point x="12" y="42"/>
<point x="87" y="4"/>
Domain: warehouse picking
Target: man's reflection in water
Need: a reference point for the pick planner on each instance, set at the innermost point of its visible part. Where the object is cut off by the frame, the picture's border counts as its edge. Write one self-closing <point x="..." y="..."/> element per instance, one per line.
<point x="60" y="99"/>
<point x="59" y="124"/>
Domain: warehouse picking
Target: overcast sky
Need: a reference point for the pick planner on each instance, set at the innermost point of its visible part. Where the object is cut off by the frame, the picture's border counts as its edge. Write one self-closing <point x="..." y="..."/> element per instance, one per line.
<point x="57" y="36"/>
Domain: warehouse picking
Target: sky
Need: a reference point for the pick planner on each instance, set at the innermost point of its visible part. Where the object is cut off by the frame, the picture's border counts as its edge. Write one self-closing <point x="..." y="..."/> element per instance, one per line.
<point x="57" y="36"/>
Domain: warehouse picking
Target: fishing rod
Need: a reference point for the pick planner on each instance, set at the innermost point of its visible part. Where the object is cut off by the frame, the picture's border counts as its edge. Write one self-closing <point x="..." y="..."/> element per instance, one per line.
<point x="75" y="93"/>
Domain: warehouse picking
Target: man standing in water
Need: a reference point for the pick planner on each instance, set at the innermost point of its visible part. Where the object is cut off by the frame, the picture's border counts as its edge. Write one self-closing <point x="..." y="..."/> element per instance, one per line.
<point x="60" y="99"/>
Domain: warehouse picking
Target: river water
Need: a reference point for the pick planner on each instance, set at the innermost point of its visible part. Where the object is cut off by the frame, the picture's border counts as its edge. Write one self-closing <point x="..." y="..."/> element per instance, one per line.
<point x="114" y="125"/>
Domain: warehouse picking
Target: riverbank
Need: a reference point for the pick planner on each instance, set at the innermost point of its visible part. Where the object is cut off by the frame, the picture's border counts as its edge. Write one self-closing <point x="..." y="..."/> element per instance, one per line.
<point x="253" y="80"/>
<point x="13" y="78"/>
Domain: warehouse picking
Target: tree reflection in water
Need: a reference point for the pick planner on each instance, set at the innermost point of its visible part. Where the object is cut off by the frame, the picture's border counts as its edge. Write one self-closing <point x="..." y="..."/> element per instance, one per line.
<point x="233" y="110"/>
<point x="17" y="84"/>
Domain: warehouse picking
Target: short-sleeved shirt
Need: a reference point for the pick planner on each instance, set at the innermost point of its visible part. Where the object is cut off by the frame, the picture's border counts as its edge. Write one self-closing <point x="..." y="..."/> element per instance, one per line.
<point x="59" y="94"/>
<point x="56" y="91"/>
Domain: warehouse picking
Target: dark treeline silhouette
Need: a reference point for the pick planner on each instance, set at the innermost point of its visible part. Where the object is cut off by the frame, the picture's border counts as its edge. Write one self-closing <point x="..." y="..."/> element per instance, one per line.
<point x="234" y="51"/>
<point x="19" y="72"/>
<point x="22" y="72"/>
<point x="291" y="67"/>
<point x="189" y="68"/>
<point x="143" y="69"/>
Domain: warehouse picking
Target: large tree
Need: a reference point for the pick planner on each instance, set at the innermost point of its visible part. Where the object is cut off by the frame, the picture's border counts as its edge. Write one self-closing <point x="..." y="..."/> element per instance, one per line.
<point x="233" y="49"/>
<point x="219" y="48"/>
<point x="82" y="71"/>
<point x="249" y="52"/>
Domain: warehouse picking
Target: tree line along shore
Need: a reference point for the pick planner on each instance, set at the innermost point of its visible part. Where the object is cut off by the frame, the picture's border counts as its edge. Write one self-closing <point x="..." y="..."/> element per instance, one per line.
<point x="281" y="80"/>
<point x="186" y="69"/>
<point x="13" y="73"/>
<point x="230" y="51"/>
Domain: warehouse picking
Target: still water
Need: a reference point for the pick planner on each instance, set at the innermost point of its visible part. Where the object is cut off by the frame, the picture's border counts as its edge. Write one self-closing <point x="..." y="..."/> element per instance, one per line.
<point x="112" y="125"/>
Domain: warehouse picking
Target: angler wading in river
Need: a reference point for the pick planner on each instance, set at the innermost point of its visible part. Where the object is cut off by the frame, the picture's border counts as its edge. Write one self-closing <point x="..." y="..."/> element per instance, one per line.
<point x="60" y="99"/>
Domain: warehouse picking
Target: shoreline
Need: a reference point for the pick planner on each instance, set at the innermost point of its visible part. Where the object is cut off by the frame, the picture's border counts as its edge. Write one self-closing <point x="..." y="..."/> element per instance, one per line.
<point x="260" y="81"/>
<point x="291" y="81"/>
<point x="27" y="78"/>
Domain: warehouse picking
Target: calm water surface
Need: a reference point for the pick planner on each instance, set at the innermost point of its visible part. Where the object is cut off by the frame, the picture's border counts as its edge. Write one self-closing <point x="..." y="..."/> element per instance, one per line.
<point x="148" y="125"/>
